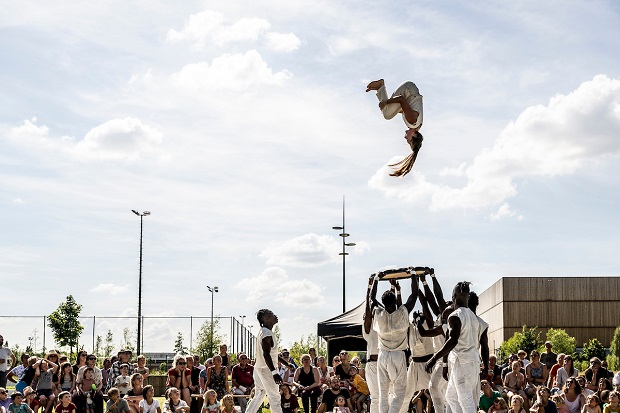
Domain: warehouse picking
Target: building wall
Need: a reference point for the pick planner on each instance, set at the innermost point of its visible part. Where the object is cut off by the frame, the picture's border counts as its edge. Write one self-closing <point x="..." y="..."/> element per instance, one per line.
<point x="586" y="307"/>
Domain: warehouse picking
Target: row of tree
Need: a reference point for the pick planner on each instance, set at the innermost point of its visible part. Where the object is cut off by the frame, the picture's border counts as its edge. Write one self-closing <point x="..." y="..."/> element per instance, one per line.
<point x="530" y="339"/>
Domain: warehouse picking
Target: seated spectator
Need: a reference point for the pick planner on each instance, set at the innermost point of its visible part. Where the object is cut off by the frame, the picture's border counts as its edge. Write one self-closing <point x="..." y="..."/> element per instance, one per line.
<point x="66" y="378"/>
<point x="560" y="403"/>
<point x="5" y="400"/>
<point x="313" y="356"/>
<point x="288" y="400"/>
<point x="582" y="383"/>
<point x="180" y="378"/>
<point x="508" y="368"/>
<point x="487" y="396"/>
<point x="116" y="404"/>
<point x="149" y="404"/>
<point x="341" y="405"/>
<point x="17" y="372"/>
<point x="522" y="354"/>
<point x="308" y="384"/>
<point x="173" y="402"/>
<point x="514" y="383"/>
<point x="286" y="355"/>
<point x="566" y="372"/>
<point x="123" y="382"/>
<point x="194" y="384"/>
<point x="361" y="389"/>
<point x="573" y="397"/>
<point x="228" y="404"/>
<point x="30" y="398"/>
<point x="17" y="406"/>
<point x="535" y="374"/>
<point x="553" y="373"/>
<point x="203" y="375"/>
<point x="325" y="372"/>
<point x="123" y="357"/>
<point x="27" y="376"/>
<point x="592" y="404"/>
<point x="335" y="363"/>
<point x="211" y="403"/>
<point x="614" y="403"/>
<point x="516" y="404"/>
<point x="494" y="376"/>
<point x="498" y="406"/>
<point x="543" y="404"/>
<point x="616" y="381"/>
<point x="44" y="384"/>
<point x="342" y="369"/>
<point x="140" y="367"/>
<point x="242" y="377"/>
<point x="594" y="373"/>
<point x="134" y="394"/>
<point x="330" y="395"/>
<point x="217" y="377"/>
<point x="355" y="361"/>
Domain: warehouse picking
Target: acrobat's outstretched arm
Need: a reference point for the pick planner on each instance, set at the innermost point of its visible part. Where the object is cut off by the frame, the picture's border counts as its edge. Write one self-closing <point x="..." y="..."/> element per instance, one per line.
<point x="368" y="312"/>
<point x="438" y="293"/>
<point x="395" y="287"/>
<point x="430" y="298"/>
<point x="425" y="310"/>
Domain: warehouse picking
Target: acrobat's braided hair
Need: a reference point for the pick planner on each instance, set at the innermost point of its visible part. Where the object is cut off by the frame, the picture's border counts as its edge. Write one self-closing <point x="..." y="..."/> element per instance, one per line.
<point x="260" y="314"/>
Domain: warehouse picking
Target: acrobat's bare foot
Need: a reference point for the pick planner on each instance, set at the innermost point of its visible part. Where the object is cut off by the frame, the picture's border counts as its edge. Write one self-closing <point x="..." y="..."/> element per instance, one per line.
<point x="374" y="85"/>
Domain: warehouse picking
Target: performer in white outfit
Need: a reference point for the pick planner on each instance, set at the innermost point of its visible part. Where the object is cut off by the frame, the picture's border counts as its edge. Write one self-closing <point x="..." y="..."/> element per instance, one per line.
<point x="266" y="376"/>
<point x="392" y="325"/>
<point x="372" y="352"/>
<point x="466" y="335"/>
<point x="417" y="377"/>
<point x="407" y="100"/>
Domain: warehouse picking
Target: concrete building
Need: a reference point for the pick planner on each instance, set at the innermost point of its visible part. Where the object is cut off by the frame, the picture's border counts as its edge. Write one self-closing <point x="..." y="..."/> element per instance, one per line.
<point x="586" y="307"/>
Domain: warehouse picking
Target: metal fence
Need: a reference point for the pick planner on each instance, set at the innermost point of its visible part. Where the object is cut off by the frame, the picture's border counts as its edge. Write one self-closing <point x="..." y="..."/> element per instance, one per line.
<point x="158" y="333"/>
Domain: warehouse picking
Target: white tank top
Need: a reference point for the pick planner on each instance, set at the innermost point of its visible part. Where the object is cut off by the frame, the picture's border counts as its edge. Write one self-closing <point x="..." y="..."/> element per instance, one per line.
<point x="260" y="358"/>
<point x="419" y="346"/>
<point x="438" y="341"/>
<point x="391" y="328"/>
<point x="573" y="407"/>
<point x="472" y="327"/>
<point x="372" y="341"/>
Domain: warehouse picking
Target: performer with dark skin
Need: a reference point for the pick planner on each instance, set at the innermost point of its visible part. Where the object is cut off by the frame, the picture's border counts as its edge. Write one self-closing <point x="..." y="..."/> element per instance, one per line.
<point x="466" y="335"/>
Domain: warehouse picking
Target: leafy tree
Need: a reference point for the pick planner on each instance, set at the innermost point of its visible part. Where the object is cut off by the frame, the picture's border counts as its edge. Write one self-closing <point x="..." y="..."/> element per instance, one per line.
<point x="108" y="349"/>
<point x="208" y="339"/>
<point x="562" y="342"/>
<point x="613" y="359"/>
<point x="98" y="346"/>
<point x="65" y="323"/>
<point x="593" y="348"/>
<point x="277" y="335"/>
<point x="528" y="339"/>
<point x="179" y="348"/>
<point x="301" y="347"/>
<point x="128" y="340"/>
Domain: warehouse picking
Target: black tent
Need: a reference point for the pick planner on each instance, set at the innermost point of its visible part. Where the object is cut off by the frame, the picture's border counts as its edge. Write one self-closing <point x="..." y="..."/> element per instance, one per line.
<point x="344" y="332"/>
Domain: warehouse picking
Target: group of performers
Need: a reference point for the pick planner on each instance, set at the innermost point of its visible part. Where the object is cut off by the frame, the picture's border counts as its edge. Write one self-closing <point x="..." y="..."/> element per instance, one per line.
<point x="446" y="343"/>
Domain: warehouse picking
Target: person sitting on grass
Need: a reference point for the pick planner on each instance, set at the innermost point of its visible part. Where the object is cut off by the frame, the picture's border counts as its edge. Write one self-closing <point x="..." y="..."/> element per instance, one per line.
<point x="341" y="405"/>
<point x="44" y="379"/>
<point x="288" y="400"/>
<point x="228" y="404"/>
<point x="211" y="404"/>
<point x="516" y="404"/>
<point x="17" y="406"/>
<point x="592" y="404"/>
<point x="543" y="404"/>
<point x="116" y="404"/>
<point x="487" y="396"/>
<point x="499" y="406"/>
<point x="614" y="403"/>
<point x="149" y="404"/>
<point x="5" y="400"/>
<point x="173" y="402"/>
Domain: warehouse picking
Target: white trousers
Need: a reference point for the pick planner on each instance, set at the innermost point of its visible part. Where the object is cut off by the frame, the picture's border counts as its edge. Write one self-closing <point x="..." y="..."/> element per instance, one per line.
<point x="372" y="378"/>
<point x="406" y="89"/>
<point x="265" y="385"/>
<point x="417" y="379"/>
<point x="463" y="384"/>
<point x="392" y="369"/>
<point x="437" y="388"/>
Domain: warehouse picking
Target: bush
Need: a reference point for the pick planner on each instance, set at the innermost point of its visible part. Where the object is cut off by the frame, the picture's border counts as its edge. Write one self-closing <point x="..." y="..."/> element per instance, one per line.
<point x="562" y="342"/>
<point x="528" y="339"/>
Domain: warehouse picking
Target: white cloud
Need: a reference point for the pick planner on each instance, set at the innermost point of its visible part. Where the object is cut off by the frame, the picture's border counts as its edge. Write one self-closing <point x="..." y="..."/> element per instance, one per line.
<point x="306" y="251"/>
<point x="572" y="131"/>
<point x="503" y="212"/>
<point x="282" y="42"/>
<point x="116" y="139"/>
<point x="18" y="201"/>
<point x="124" y="139"/>
<point x="230" y="71"/>
<point x="292" y="292"/>
<point x="111" y="289"/>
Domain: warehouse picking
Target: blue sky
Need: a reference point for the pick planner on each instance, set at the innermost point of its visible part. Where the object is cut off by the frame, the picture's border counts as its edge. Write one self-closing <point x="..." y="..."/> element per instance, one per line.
<point x="240" y="126"/>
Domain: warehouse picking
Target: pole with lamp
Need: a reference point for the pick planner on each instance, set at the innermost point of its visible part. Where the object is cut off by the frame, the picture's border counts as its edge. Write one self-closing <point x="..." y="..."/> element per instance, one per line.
<point x="212" y="290"/>
<point x="344" y="235"/>
<point x="141" y="215"/>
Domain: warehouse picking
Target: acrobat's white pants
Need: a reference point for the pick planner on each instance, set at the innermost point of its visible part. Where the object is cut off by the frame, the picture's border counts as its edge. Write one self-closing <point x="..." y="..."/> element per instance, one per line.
<point x="463" y="382"/>
<point x="437" y="388"/>
<point x="392" y="369"/>
<point x="265" y="385"/>
<point x="372" y="378"/>
<point x="417" y="379"/>
<point x="406" y="89"/>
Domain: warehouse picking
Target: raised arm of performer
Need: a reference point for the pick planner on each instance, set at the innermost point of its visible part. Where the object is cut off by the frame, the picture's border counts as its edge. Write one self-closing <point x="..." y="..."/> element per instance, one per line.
<point x="368" y="312"/>
<point x="438" y="292"/>
<point x="430" y="298"/>
<point x="395" y="287"/>
<point x="427" y="314"/>
<point x="414" y="293"/>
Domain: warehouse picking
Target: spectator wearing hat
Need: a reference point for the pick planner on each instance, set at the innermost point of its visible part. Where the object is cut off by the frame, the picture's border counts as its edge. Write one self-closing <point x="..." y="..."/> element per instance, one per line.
<point x="123" y="358"/>
<point x="522" y="354"/>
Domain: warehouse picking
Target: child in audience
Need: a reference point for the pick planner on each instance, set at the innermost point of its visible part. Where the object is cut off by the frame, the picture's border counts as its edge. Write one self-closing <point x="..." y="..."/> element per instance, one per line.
<point x="592" y="404"/>
<point x="560" y="403"/>
<point x="228" y="404"/>
<point x="65" y="405"/>
<point x="361" y="389"/>
<point x="17" y="406"/>
<point x="30" y="398"/>
<point x="614" y="403"/>
<point x="341" y="405"/>
<point x="288" y="399"/>
<point x="211" y="405"/>
<point x="66" y="378"/>
<point x="499" y="406"/>
<point x="516" y="404"/>
<point x="173" y="402"/>
<point x="149" y="404"/>
<point x="122" y="381"/>
<point x="116" y="404"/>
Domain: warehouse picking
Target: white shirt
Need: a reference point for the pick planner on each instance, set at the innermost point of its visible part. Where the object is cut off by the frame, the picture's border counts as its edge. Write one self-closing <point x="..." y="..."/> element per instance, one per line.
<point x="439" y="341"/>
<point x="472" y="327"/>
<point x="415" y="102"/>
<point x="372" y="341"/>
<point x="420" y="346"/>
<point x="391" y="328"/>
<point x="5" y="353"/>
<point x="260" y="359"/>
<point x="149" y="408"/>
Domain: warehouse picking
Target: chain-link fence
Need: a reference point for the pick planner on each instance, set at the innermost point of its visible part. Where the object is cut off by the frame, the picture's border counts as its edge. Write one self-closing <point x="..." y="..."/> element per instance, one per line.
<point x="159" y="334"/>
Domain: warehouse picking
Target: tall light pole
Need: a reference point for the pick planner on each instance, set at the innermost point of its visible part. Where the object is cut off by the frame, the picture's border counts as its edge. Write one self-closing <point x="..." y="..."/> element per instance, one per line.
<point x="141" y="215"/>
<point x="344" y="235"/>
<point x="242" y="331"/>
<point x="212" y="290"/>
